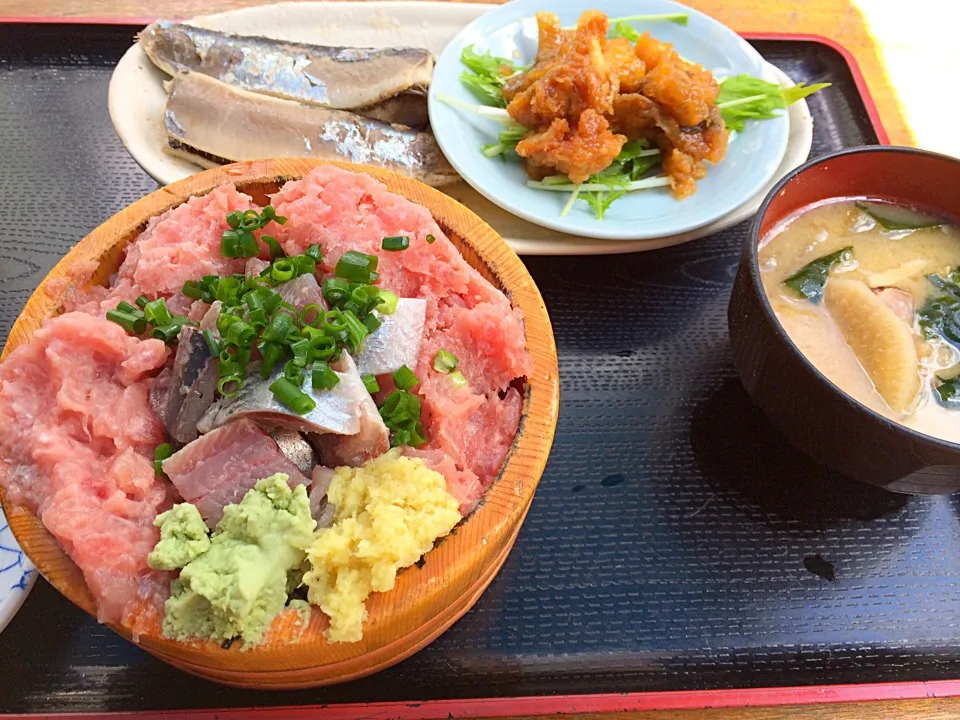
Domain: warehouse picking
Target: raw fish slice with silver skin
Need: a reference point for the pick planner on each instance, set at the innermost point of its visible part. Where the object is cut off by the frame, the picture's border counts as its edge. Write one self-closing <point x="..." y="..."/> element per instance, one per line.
<point x="397" y="341"/>
<point x="408" y="108"/>
<point x="295" y="448"/>
<point x="338" y="409"/>
<point x="211" y="123"/>
<point x="372" y="439"/>
<point x="302" y="291"/>
<point x="321" y="508"/>
<point x="335" y="77"/>
<point x="192" y="386"/>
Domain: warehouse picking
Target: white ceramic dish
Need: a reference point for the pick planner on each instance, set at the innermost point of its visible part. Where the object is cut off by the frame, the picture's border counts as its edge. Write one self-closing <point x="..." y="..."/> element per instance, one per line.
<point x="17" y="574"/>
<point x="137" y="99"/>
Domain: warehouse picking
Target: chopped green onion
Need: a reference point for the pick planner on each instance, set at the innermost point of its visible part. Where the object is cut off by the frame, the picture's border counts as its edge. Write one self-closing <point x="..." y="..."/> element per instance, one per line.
<point x="335" y="290"/>
<point x="137" y="325"/>
<point x="404" y="378"/>
<point x="293" y="372"/>
<point x="249" y="247"/>
<point x="356" y="266"/>
<point x="372" y="322"/>
<point x="322" y="347"/>
<point x="430" y="239"/>
<point x="124" y="306"/>
<point x="230" y="244"/>
<point x="333" y="322"/>
<point x="212" y="345"/>
<point x="311" y="315"/>
<point x="313" y="251"/>
<point x="445" y="362"/>
<point x="388" y="302"/>
<point x="270" y="354"/>
<point x="303" y="265"/>
<point x="142" y="301"/>
<point x="371" y="384"/>
<point x="157" y="312"/>
<point x="228" y="290"/>
<point x="279" y="328"/>
<point x="323" y="377"/>
<point x="233" y="219"/>
<point x="355" y="328"/>
<point x="458" y="379"/>
<point x="393" y="244"/>
<point x="292" y="396"/>
<point x="300" y="350"/>
<point x="276" y="251"/>
<point x="159" y="455"/>
<point x="282" y="271"/>
<point x="230" y="385"/>
<point x="228" y="367"/>
<point x="192" y="289"/>
<point x="241" y="333"/>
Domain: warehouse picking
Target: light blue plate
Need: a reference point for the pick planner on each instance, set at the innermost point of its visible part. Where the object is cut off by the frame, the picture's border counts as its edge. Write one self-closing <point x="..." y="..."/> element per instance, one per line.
<point x="511" y="31"/>
<point x="17" y="574"/>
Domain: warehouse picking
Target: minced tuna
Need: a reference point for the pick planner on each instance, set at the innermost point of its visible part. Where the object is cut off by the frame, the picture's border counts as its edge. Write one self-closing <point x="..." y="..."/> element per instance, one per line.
<point x="469" y="430"/>
<point x="179" y="245"/>
<point x="77" y="427"/>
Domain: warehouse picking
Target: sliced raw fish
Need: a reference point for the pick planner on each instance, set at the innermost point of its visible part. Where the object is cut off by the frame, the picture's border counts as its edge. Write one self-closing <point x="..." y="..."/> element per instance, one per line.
<point x="320" y="507"/>
<point x="397" y="341"/>
<point x="373" y="438"/>
<point x="337" y="410"/>
<point x="221" y="466"/>
<point x="255" y="266"/>
<point x="191" y="387"/>
<point x="209" y="320"/>
<point x="336" y="77"/>
<point x="211" y="123"/>
<point x="295" y="448"/>
<point x="302" y="291"/>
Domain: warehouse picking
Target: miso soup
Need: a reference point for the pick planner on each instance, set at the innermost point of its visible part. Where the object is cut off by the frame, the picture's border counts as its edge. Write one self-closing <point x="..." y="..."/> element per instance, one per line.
<point x="870" y="294"/>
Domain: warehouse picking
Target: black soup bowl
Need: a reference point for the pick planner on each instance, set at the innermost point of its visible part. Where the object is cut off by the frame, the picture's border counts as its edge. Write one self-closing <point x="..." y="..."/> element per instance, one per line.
<point x="814" y="414"/>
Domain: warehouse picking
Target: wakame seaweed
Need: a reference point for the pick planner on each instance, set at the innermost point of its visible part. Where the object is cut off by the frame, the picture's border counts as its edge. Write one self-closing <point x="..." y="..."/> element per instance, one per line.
<point x="810" y="280"/>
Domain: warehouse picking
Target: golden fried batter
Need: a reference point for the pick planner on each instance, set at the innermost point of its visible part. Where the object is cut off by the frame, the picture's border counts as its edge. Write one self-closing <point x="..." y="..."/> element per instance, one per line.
<point x="587" y="94"/>
<point x="577" y="154"/>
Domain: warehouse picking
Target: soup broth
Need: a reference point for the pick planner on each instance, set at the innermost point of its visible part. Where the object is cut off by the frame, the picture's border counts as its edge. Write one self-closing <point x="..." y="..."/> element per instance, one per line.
<point x="870" y="294"/>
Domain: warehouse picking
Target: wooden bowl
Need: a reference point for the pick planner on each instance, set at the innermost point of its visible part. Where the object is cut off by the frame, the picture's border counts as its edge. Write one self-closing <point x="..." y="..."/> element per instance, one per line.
<point x="428" y="599"/>
<point x="813" y="413"/>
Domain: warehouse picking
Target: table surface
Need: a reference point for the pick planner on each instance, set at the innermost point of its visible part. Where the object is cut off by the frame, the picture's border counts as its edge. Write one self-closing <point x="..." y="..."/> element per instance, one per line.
<point x="890" y="47"/>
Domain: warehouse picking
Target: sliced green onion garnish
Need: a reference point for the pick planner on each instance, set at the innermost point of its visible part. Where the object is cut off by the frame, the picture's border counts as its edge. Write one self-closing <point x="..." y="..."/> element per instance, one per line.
<point x="159" y="455"/>
<point x="282" y="271"/>
<point x="404" y="378"/>
<point x="356" y="266"/>
<point x="230" y="244"/>
<point x="335" y="290"/>
<point x="445" y="362"/>
<point x="430" y="239"/>
<point x="333" y="322"/>
<point x="388" y="302"/>
<point x="301" y="351"/>
<point x="293" y="372"/>
<point x="137" y="325"/>
<point x="157" y="313"/>
<point x="323" y="377"/>
<point x="322" y="347"/>
<point x="241" y="333"/>
<point x="458" y="379"/>
<point x="142" y="301"/>
<point x="270" y="354"/>
<point x="249" y="247"/>
<point x="292" y="396"/>
<point x="212" y="345"/>
<point x="279" y="328"/>
<point x="311" y="315"/>
<point x="230" y="385"/>
<point x="276" y="251"/>
<point x="393" y="244"/>
<point x="192" y="289"/>
<point x="313" y="251"/>
<point x="372" y="322"/>
<point x="124" y="306"/>
<point x="355" y="328"/>
<point x="371" y="384"/>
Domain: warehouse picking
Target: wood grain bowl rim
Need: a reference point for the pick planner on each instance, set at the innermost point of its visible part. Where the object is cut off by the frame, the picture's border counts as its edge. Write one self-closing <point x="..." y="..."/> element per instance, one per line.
<point x="456" y="566"/>
<point x="751" y="250"/>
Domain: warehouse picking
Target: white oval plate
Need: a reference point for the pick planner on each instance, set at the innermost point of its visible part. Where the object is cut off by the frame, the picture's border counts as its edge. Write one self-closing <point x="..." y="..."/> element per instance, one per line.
<point x="137" y="100"/>
<point x="17" y="574"/>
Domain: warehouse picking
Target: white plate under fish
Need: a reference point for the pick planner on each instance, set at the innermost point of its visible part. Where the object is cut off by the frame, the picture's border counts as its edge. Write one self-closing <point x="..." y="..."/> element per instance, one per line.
<point x="137" y="100"/>
<point x="17" y="574"/>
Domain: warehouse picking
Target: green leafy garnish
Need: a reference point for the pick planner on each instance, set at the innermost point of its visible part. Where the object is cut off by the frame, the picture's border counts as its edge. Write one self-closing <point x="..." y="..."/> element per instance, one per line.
<point x="601" y="201"/>
<point x="810" y="280"/>
<point x="939" y="316"/>
<point x="625" y="30"/>
<point x="948" y="392"/>
<point x="635" y="160"/>
<point x="506" y="142"/>
<point x="485" y="75"/>
<point x="743" y="98"/>
<point x="898" y="217"/>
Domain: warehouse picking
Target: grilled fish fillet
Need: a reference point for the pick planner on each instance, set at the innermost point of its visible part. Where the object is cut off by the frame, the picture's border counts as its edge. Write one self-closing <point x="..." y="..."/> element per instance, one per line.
<point x="211" y="123"/>
<point x="336" y="77"/>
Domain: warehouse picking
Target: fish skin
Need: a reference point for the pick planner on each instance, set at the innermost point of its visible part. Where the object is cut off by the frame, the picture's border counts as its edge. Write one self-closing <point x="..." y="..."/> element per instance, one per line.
<point x="397" y="341"/>
<point x="189" y="390"/>
<point x="336" y="77"/>
<point x="210" y="123"/>
<point x="408" y="108"/>
<point x="337" y="411"/>
<point x="295" y="448"/>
